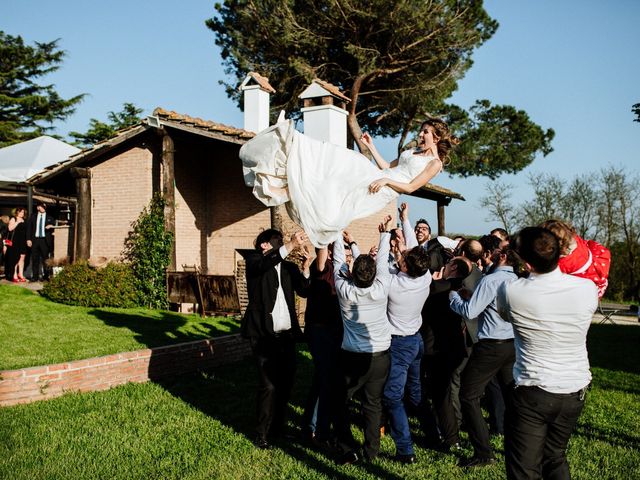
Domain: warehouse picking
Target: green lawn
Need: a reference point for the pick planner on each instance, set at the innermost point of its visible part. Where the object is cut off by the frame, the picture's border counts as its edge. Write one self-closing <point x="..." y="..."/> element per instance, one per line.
<point x="35" y="331"/>
<point x="200" y="427"/>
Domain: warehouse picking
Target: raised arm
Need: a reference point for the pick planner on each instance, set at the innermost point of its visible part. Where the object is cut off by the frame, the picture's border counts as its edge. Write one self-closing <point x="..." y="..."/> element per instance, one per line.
<point x="430" y="171"/>
<point x="409" y="233"/>
<point x="382" y="259"/>
<point x="381" y="162"/>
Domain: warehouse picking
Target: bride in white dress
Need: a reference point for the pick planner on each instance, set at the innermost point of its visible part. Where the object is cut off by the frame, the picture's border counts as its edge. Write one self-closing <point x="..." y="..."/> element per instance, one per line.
<point x="325" y="187"/>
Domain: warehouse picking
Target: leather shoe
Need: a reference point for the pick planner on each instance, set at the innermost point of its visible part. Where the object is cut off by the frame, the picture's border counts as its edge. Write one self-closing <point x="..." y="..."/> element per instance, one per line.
<point x="261" y="442"/>
<point x="476" y="462"/>
<point x="348" y="458"/>
<point x="407" y="459"/>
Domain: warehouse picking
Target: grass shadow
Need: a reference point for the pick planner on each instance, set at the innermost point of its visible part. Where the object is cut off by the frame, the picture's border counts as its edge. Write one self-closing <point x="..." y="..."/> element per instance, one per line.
<point x="166" y="330"/>
<point x="621" y="340"/>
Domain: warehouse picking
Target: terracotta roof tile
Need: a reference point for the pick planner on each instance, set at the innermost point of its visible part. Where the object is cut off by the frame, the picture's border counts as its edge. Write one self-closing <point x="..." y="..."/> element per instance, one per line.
<point x="263" y="82"/>
<point x="332" y="89"/>
<point x="172" y="116"/>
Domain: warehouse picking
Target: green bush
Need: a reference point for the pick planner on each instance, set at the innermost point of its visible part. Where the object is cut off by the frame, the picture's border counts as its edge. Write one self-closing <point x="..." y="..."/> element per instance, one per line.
<point x="148" y="249"/>
<point x="82" y="285"/>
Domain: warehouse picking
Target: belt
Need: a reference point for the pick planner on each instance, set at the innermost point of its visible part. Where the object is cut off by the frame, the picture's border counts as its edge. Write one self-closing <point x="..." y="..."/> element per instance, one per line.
<point x="368" y="354"/>
<point x="404" y="336"/>
<point x="496" y="340"/>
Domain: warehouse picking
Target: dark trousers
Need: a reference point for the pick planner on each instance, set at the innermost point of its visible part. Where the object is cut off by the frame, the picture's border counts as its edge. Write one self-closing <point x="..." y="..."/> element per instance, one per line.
<point x="537" y="430"/>
<point x="276" y="361"/>
<point x="494" y="404"/>
<point x="365" y="373"/>
<point x="439" y="370"/>
<point x="39" y="253"/>
<point x="488" y="359"/>
<point x="404" y="376"/>
<point x="324" y="345"/>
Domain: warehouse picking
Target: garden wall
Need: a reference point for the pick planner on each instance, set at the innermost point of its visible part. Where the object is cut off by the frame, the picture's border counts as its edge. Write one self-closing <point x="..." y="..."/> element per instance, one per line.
<point x="28" y="385"/>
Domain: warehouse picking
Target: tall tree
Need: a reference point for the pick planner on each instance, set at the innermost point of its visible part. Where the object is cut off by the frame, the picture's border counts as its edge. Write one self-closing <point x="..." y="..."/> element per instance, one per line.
<point x="397" y="61"/>
<point x="28" y="108"/>
<point x="636" y="111"/>
<point x="497" y="203"/>
<point x="99" y="131"/>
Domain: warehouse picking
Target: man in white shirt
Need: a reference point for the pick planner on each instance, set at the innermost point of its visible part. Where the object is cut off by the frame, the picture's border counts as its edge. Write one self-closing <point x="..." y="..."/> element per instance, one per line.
<point x="364" y="358"/>
<point x="551" y="313"/>
<point x="271" y="324"/>
<point x="407" y="294"/>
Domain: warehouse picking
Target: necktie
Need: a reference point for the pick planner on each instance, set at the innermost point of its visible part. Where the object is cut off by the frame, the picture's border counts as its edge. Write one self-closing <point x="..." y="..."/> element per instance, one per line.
<point x="40" y="225"/>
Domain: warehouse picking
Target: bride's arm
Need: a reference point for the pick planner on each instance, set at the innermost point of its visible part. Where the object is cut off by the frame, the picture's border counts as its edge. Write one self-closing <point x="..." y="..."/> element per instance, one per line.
<point x="430" y="171"/>
<point x="381" y="162"/>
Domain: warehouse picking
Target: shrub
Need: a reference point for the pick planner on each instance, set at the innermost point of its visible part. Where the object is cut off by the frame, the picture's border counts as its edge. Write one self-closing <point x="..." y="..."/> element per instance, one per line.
<point x="82" y="285"/>
<point x="148" y="248"/>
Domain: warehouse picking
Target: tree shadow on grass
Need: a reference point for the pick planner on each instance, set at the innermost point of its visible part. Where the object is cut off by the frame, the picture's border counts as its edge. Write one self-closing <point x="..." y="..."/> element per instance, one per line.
<point x="614" y="347"/>
<point x="158" y="332"/>
<point x="228" y="394"/>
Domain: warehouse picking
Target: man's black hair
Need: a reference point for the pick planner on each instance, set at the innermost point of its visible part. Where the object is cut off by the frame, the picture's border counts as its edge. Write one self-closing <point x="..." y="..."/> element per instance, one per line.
<point x="266" y="236"/>
<point x="489" y="243"/>
<point x="422" y="220"/>
<point x="418" y="262"/>
<point x="363" y="271"/>
<point x="538" y="247"/>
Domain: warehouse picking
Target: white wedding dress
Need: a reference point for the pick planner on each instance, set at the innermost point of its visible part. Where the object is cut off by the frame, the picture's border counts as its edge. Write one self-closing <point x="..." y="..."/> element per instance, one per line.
<point x="324" y="186"/>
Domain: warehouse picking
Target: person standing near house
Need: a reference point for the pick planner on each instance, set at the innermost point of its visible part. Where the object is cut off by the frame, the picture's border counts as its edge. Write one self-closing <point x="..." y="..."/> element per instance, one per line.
<point x="17" y="251"/>
<point x="271" y="324"/>
<point x="551" y="313"/>
<point x="40" y="240"/>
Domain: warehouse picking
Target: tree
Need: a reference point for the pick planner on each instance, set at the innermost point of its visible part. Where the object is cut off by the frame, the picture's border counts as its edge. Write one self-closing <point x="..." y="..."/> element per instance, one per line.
<point x="636" y="111"/>
<point x="497" y="202"/>
<point x="397" y="61"/>
<point x="99" y="131"/>
<point x="26" y="107"/>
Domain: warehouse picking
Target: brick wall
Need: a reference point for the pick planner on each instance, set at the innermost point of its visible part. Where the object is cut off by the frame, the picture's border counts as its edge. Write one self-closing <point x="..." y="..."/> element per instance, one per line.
<point x="28" y="385"/>
<point x="121" y="187"/>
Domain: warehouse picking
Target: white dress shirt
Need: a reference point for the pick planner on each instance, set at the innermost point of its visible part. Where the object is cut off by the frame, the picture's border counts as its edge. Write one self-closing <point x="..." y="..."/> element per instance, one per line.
<point x="364" y="310"/>
<point x="551" y="314"/>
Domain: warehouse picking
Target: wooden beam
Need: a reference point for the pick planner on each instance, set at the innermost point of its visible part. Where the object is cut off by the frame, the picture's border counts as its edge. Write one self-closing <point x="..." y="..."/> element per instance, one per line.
<point x="83" y="225"/>
<point x="169" y="192"/>
<point x="441" y="226"/>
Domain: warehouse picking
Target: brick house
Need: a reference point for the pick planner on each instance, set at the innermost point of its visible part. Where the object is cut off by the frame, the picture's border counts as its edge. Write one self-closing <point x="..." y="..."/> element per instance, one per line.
<point x="195" y="164"/>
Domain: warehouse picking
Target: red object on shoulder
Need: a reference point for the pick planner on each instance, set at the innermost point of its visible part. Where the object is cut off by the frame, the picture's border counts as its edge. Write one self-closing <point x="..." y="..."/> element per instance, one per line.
<point x="589" y="260"/>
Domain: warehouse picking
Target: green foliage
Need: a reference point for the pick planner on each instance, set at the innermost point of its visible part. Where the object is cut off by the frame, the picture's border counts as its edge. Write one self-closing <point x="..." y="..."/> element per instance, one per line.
<point x="496" y="139"/>
<point x="99" y="131"/>
<point x="636" y="111"/>
<point x="148" y="248"/>
<point x="82" y="285"/>
<point x="24" y="104"/>
<point x="397" y="61"/>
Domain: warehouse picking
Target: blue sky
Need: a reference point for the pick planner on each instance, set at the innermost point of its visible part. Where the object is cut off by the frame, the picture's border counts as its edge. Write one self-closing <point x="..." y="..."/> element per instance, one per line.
<point x="573" y="66"/>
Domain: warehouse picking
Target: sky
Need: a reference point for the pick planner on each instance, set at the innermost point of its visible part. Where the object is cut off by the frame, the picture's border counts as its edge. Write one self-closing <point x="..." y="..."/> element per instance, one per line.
<point x="573" y="66"/>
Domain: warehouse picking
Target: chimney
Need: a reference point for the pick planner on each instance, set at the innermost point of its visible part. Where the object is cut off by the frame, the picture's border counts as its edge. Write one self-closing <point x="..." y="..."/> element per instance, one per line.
<point x="324" y="114"/>
<point x="256" y="90"/>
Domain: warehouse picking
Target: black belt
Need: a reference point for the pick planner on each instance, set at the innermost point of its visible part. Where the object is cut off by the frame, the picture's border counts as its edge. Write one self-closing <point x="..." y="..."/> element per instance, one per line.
<point x="496" y="340"/>
<point x="404" y="336"/>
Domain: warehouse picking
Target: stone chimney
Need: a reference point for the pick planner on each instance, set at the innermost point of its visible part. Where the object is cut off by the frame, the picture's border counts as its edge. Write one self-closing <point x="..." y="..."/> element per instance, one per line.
<point x="256" y="91"/>
<point x="324" y="114"/>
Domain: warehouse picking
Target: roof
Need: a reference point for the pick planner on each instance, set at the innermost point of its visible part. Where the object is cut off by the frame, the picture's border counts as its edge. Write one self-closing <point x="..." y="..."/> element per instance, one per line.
<point x="431" y="192"/>
<point x="313" y="91"/>
<point x="160" y="118"/>
<point x="263" y="82"/>
<point x="20" y="161"/>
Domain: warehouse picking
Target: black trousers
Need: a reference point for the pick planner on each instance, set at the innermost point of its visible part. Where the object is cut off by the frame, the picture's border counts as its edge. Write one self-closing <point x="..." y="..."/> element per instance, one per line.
<point x="365" y="373"/>
<point x="39" y="253"/>
<point x="276" y="361"/>
<point x="538" y="425"/>
<point x="488" y="360"/>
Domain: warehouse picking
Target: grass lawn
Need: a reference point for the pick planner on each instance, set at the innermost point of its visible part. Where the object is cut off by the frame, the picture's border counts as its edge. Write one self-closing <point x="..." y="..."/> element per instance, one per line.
<point x="35" y="331"/>
<point x="201" y="426"/>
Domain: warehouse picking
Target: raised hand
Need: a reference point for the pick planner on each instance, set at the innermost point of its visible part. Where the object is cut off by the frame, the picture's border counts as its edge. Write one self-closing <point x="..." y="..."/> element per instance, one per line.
<point x="384" y="225"/>
<point x="404" y="212"/>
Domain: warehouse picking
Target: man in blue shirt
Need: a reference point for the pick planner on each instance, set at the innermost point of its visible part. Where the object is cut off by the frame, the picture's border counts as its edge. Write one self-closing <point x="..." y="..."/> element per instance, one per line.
<point x="493" y="354"/>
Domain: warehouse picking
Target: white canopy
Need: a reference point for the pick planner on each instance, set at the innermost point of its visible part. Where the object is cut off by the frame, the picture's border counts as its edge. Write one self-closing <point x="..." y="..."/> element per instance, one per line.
<point x="23" y="160"/>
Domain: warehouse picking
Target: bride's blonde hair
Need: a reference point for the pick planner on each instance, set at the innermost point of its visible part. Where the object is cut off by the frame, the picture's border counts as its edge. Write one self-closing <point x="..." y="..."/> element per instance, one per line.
<point x="446" y="141"/>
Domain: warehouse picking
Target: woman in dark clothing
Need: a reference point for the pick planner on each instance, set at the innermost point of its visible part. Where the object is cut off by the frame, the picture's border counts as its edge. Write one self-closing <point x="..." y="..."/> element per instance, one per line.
<point x="17" y="252"/>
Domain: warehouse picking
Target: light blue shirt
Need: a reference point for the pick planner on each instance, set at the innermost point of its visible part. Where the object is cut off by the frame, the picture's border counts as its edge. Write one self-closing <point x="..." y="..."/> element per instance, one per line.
<point x="483" y="305"/>
<point x="364" y="310"/>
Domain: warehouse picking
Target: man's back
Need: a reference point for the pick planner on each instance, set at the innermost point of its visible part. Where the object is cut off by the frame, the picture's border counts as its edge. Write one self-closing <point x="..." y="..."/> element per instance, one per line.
<point x="551" y="314"/>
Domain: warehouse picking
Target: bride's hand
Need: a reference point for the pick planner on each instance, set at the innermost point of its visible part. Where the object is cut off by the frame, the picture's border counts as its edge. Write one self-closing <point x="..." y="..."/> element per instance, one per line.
<point x="375" y="187"/>
<point x="367" y="140"/>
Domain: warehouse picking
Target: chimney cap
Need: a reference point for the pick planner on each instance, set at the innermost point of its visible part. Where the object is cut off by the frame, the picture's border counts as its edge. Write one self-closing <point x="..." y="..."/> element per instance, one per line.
<point x="320" y="88"/>
<point x="262" y="82"/>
